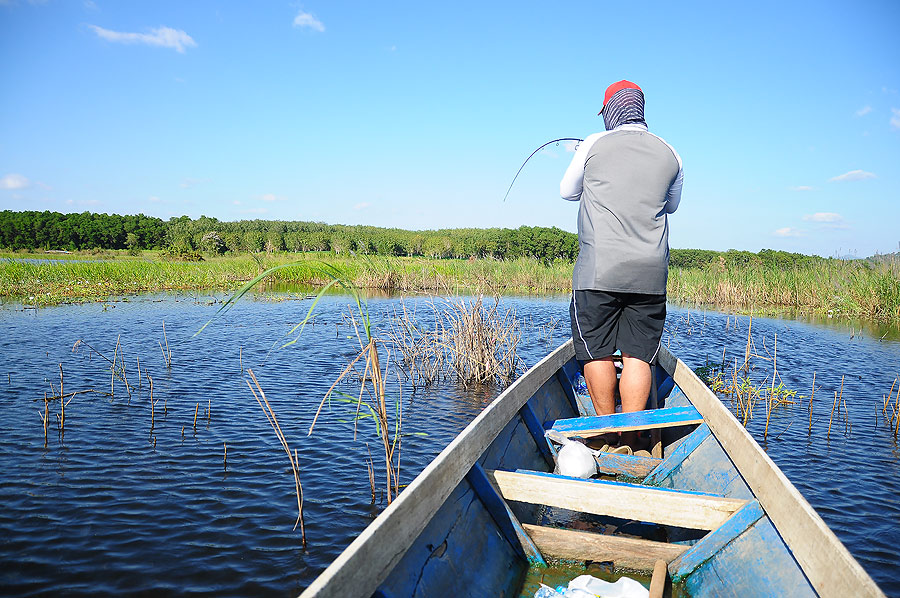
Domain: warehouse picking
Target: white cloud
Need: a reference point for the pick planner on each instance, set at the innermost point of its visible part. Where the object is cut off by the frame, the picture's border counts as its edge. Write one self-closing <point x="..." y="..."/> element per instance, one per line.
<point x="153" y="198"/>
<point x="165" y="37"/>
<point x="305" y="19"/>
<point x="801" y="188"/>
<point x="827" y="220"/>
<point x="824" y="217"/>
<point x="895" y="119"/>
<point x="853" y="175"/>
<point x="190" y="183"/>
<point x="787" y="231"/>
<point x="863" y="111"/>
<point x="361" y="206"/>
<point x="14" y="181"/>
<point x="271" y="197"/>
<point x="571" y="146"/>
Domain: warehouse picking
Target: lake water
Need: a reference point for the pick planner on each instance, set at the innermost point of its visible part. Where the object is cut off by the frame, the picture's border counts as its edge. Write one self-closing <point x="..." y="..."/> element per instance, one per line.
<point x="113" y="507"/>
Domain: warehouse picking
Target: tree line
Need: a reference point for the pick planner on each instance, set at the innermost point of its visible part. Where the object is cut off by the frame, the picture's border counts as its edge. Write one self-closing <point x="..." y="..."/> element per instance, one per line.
<point x="184" y="236"/>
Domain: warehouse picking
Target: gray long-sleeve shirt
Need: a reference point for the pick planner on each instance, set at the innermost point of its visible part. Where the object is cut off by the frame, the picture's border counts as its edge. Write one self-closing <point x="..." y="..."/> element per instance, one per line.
<point x="627" y="181"/>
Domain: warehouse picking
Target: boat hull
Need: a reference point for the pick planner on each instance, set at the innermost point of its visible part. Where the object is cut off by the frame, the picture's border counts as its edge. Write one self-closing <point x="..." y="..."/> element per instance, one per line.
<point x="488" y="507"/>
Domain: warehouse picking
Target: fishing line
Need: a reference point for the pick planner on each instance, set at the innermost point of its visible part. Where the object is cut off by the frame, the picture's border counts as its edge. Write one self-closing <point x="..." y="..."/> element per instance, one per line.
<point x="532" y="154"/>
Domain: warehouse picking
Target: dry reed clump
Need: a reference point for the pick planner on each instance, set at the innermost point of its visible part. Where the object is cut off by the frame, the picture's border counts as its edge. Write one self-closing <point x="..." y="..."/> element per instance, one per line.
<point x="474" y="343"/>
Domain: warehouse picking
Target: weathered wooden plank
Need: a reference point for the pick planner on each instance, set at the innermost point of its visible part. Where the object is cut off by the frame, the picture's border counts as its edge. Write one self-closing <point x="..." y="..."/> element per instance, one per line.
<point x="537" y="432"/>
<point x="630" y="553"/>
<point x="629" y="465"/>
<point x="693" y="510"/>
<point x="366" y="562"/>
<point x="674" y="459"/>
<point x="506" y="520"/>
<point x="623" y="422"/>
<point x="715" y="541"/>
<point x="830" y="568"/>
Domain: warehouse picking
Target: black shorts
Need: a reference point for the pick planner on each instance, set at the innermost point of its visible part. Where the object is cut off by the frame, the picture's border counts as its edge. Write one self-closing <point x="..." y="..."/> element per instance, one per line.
<point x="603" y="322"/>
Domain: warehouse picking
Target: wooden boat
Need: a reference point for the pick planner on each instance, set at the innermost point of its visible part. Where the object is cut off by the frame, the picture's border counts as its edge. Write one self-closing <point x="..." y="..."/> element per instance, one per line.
<point x="725" y="520"/>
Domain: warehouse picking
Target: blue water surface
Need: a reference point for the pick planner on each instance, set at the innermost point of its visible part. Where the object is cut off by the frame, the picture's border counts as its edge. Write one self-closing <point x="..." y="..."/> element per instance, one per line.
<point x="117" y="506"/>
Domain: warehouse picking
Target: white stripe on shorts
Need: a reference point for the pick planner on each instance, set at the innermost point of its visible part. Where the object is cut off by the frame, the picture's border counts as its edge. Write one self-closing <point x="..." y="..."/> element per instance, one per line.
<point x="578" y="324"/>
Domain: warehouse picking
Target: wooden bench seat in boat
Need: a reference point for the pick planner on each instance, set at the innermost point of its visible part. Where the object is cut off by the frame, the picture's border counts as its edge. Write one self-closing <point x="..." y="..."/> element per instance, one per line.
<point x="649" y="419"/>
<point x="679" y="508"/>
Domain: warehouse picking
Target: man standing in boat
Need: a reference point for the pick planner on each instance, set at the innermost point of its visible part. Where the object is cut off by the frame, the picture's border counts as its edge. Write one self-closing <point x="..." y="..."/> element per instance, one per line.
<point x="627" y="181"/>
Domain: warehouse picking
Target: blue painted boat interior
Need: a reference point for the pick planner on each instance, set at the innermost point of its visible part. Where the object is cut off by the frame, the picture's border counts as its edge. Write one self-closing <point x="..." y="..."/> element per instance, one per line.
<point x="471" y="544"/>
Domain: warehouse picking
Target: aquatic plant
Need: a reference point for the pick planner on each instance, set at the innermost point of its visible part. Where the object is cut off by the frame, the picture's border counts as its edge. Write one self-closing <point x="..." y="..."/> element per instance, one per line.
<point x="273" y="421"/>
<point x="738" y="383"/>
<point x="474" y="342"/>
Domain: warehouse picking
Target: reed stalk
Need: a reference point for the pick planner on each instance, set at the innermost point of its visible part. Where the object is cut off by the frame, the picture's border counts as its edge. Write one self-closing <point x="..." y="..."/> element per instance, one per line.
<point x="370" y="468"/>
<point x="273" y="421"/>
<point x="152" y="404"/>
<point x="196" y="411"/>
<point x="831" y="417"/>
<point x="811" y="395"/>
<point x="45" y="416"/>
<point x="62" y="403"/>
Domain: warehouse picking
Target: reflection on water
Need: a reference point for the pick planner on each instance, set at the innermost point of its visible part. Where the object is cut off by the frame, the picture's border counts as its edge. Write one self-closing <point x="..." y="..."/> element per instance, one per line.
<point x="120" y="507"/>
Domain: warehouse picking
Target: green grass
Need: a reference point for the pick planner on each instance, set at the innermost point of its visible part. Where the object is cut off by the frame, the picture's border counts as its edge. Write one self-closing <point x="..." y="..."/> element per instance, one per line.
<point x="68" y="281"/>
<point x="856" y="288"/>
<point x="849" y="288"/>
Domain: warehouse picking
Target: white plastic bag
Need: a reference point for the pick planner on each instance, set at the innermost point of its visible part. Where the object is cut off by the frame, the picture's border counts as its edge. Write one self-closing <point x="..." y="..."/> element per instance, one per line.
<point x="575" y="460"/>
<point x="624" y="587"/>
<point x="588" y="586"/>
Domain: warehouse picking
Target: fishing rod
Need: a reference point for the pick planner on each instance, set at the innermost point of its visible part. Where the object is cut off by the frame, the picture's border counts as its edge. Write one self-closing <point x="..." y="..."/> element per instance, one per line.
<point x="532" y="154"/>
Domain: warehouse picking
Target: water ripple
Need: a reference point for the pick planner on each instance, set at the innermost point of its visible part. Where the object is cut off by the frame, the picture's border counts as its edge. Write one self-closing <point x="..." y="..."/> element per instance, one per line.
<point x="117" y="506"/>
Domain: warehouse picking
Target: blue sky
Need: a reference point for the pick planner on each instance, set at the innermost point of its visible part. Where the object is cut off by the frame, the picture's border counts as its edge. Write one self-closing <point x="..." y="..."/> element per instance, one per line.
<point x="417" y="114"/>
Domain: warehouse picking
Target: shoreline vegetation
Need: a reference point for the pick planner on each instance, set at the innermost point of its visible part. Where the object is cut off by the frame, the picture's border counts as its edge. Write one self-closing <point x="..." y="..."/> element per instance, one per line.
<point x="55" y="258"/>
<point x="866" y="289"/>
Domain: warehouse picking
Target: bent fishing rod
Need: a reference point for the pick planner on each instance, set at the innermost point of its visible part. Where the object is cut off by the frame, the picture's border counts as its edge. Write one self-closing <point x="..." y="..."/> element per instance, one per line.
<point x="532" y="154"/>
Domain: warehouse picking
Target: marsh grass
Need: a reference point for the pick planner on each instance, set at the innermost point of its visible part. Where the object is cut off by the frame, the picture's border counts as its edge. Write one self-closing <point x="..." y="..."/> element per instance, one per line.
<point x="474" y="342"/>
<point x="71" y="281"/>
<point x="835" y="287"/>
<point x="852" y="288"/>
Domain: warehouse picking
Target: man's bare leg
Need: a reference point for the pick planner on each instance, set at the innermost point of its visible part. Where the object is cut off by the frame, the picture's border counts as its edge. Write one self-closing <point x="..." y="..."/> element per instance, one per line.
<point x="600" y="376"/>
<point x="634" y="388"/>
